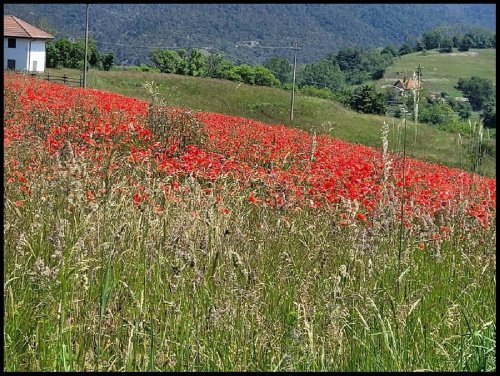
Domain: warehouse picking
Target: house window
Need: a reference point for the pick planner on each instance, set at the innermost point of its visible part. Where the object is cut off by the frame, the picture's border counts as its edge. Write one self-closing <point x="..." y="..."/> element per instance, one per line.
<point x="11" y="43"/>
<point x="11" y="64"/>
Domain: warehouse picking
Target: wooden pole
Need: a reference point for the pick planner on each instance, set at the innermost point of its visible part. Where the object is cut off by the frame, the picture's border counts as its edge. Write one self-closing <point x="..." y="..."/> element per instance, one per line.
<point x="296" y="48"/>
<point x="86" y="45"/>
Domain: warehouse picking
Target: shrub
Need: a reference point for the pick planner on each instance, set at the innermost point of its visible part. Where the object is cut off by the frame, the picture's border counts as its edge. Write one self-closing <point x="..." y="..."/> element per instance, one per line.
<point x="165" y="60"/>
<point x="232" y="75"/>
<point x="367" y="100"/>
<point x="436" y="113"/>
<point x="313" y="91"/>
<point x="490" y="117"/>
<point x="246" y="72"/>
<point x="479" y="91"/>
<point x="264" y="77"/>
<point x="280" y="67"/>
<point x="446" y="45"/>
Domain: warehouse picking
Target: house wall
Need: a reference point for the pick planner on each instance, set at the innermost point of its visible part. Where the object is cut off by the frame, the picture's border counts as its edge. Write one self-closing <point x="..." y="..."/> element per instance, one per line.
<point x="37" y="54"/>
<point x="19" y="54"/>
<point x="22" y="53"/>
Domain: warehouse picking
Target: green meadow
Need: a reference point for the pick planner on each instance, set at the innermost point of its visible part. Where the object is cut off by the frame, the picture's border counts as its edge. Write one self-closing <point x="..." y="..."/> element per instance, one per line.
<point x="272" y="106"/>
<point x="441" y="71"/>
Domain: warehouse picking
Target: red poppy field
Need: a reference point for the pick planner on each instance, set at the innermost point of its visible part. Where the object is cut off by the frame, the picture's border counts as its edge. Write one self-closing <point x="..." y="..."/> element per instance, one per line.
<point x="288" y="167"/>
<point x="224" y="201"/>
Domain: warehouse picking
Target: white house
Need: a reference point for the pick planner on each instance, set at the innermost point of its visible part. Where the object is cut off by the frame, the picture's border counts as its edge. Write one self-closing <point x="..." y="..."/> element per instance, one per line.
<point x="23" y="45"/>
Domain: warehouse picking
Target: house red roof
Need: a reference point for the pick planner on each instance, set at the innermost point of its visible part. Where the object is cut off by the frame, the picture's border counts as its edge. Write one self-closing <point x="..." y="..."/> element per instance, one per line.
<point x="406" y="84"/>
<point x="410" y="84"/>
<point x="15" y="27"/>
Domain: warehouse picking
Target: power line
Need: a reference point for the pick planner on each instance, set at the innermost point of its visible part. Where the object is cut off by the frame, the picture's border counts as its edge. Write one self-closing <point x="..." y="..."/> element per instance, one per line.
<point x="232" y="56"/>
<point x="287" y="48"/>
<point x="115" y="14"/>
<point x="324" y="84"/>
<point x="139" y="46"/>
<point x="162" y="47"/>
<point x="294" y="48"/>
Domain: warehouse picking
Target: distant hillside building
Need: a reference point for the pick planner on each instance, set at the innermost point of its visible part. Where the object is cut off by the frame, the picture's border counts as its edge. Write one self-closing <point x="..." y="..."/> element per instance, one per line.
<point x="406" y="84"/>
<point x="23" y="45"/>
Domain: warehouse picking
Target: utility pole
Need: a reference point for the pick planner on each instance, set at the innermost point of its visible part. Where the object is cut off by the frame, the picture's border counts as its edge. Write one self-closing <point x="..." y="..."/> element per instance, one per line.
<point x="86" y="45"/>
<point x="295" y="48"/>
<point x="416" y="93"/>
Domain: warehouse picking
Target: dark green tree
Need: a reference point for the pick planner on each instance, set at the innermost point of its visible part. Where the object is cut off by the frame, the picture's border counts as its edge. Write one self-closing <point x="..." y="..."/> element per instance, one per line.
<point x="246" y="72"/>
<point x="108" y="61"/>
<point x="67" y="54"/>
<point x="350" y="59"/>
<point x="281" y="68"/>
<point x="217" y="66"/>
<point x="482" y="38"/>
<point x="322" y="73"/>
<point x="77" y="54"/>
<point x="479" y="91"/>
<point x="405" y="49"/>
<point x="465" y="43"/>
<point x="264" y="77"/>
<point x="64" y="46"/>
<point x="196" y="64"/>
<point x="446" y="45"/>
<point x="366" y="99"/>
<point x="343" y="95"/>
<point x="463" y="109"/>
<point x="313" y="91"/>
<point x="436" y="113"/>
<point x="167" y="61"/>
<point x="182" y="62"/>
<point x="432" y="39"/>
<point x="94" y="55"/>
<point x="489" y="115"/>
<point x="390" y="50"/>
<point x="52" y="55"/>
<point x="356" y="77"/>
<point x="232" y="74"/>
<point x="375" y="62"/>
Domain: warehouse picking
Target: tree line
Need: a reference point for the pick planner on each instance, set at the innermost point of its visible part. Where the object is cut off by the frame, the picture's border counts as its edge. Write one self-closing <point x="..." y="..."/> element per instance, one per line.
<point x="445" y="39"/>
<point x="330" y="77"/>
<point x="195" y="63"/>
<point x="345" y="76"/>
<point x="65" y="53"/>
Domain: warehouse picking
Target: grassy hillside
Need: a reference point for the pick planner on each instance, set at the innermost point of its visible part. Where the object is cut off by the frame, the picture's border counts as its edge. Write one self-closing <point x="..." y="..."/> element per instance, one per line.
<point x="440" y="72"/>
<point x="272" y="106"/>
<point x="127" y="250"/>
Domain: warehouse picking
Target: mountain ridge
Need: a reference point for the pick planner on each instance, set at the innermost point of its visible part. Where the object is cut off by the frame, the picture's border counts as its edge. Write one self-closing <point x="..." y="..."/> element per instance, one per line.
<point x="131" y="30"/>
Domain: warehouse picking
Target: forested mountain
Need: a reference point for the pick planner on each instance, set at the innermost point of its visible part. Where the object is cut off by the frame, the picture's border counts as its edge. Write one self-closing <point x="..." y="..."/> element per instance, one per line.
<point x="241" y="31"/>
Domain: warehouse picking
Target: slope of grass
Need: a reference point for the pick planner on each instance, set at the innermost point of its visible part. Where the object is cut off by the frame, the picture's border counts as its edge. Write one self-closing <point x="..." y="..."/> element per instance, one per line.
<point x="241" y="292"/>
<point x="440" y="72"/>
<point x="271" y="105"/>
<point x="109" y="269"/>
